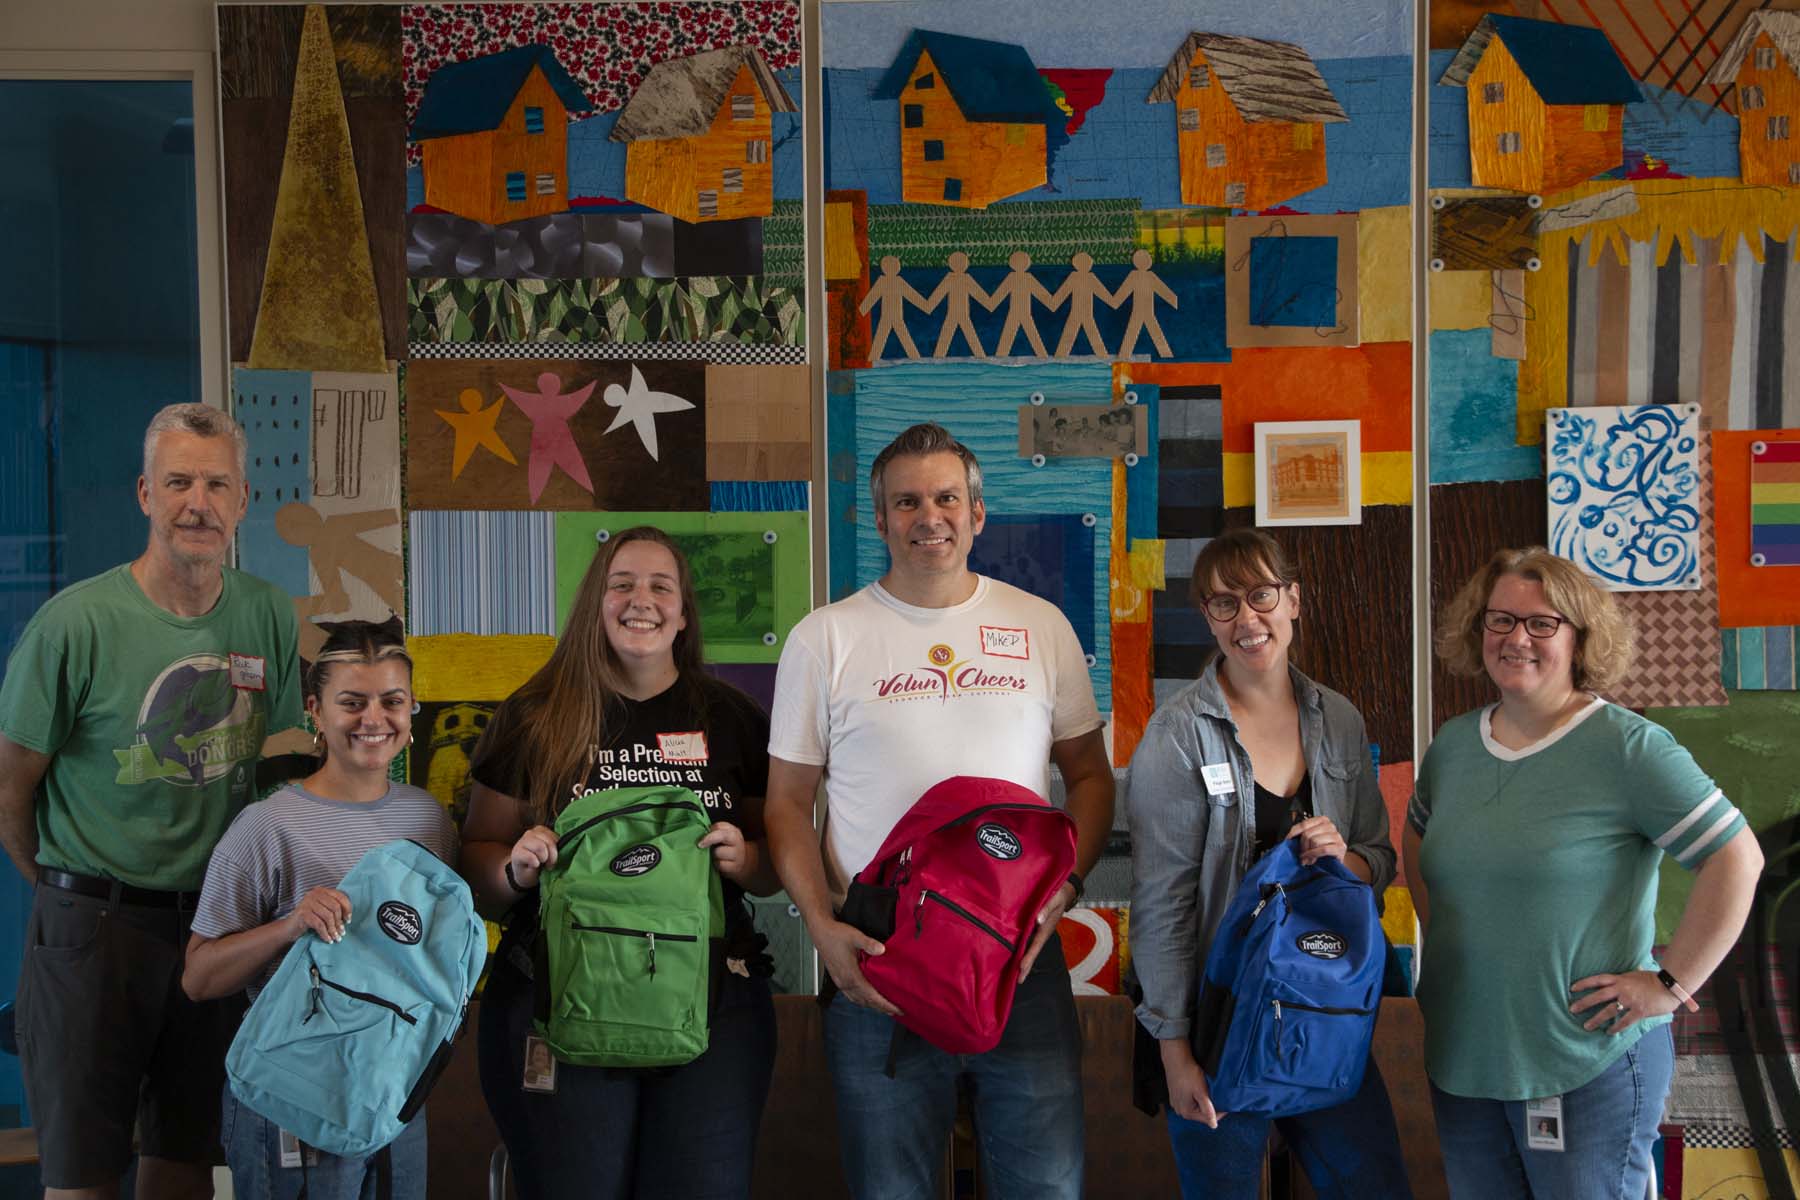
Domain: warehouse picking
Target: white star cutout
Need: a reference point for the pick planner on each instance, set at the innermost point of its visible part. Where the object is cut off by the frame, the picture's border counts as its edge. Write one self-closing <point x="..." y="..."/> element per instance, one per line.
<point x="639" y="405"/>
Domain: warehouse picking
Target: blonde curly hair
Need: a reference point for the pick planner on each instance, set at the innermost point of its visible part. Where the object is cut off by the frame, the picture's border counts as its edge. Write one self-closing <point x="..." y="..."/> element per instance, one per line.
<point x="1603" y="636"/>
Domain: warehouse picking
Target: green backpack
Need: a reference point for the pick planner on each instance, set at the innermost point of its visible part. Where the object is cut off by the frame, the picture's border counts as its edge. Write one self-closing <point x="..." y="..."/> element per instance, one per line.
<point x="624" y="945"/>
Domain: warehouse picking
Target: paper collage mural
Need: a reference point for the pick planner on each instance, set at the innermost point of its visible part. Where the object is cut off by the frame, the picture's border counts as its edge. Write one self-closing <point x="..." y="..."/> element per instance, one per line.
<point x="494" y="268"/>
<point x="1106" y="247"/>
<point x="1612" y="305"/>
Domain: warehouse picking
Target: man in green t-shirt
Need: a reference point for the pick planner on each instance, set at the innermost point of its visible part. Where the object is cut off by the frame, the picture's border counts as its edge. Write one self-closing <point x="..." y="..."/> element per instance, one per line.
<point x="132" y="714"/>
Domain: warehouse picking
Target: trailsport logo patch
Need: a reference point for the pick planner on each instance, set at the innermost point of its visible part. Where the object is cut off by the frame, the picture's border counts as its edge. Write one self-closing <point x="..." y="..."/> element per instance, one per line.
<point x="639" y="860"/>
<point x="997" y="841"/>
<point x="400" y="922"/>
<point x="1322" y="943"/>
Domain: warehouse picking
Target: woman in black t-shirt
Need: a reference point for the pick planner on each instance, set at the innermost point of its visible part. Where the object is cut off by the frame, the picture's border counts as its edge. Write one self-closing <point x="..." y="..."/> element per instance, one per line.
<point x="624" y="700"/>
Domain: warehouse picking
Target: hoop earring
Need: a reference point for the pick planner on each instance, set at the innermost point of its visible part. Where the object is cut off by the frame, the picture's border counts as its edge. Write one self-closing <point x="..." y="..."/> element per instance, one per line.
<point x="319" y="743"/>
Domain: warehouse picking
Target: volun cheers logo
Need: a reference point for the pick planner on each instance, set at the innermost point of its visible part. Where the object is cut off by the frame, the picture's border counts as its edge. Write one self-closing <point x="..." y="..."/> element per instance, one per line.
<point x="639" y="860"/>
<point x="1322" y="943"/>
<point x="997" y="841"/>
<point x="400" y="922"/>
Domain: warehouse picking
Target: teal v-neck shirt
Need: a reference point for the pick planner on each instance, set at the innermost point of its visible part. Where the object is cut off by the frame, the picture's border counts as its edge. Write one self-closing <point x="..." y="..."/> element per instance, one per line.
<point x="1541" y="865"/>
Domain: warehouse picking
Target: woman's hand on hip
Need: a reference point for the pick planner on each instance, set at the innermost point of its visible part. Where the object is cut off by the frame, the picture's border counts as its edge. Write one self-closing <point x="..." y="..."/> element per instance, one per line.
<point x="1620" y="1001"/>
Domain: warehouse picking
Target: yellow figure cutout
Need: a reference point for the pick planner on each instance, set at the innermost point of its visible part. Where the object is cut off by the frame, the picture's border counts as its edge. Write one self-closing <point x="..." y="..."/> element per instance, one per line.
<point x="475" y="427"/>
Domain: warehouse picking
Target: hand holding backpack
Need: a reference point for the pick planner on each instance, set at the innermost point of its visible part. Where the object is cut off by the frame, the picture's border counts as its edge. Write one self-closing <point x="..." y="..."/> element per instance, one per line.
<point x="627" y="918"/>
<point x="954" y="893"/>
<point x="343" y="1045"/>
<point x="1292" y="988"/>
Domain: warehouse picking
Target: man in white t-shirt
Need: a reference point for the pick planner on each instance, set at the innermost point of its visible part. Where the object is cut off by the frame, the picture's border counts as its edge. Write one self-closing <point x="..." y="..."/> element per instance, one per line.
<point x="930" y="672"/>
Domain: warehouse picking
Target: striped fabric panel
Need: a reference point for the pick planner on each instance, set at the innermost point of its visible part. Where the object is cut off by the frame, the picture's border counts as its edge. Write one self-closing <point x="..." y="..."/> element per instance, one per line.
<point x="1707" y="333"/>
<point x="1759" y="659"/>
<point x="1703" y="830"/>
<point x="1775" y="502"/>
<point x="483" y="572"/>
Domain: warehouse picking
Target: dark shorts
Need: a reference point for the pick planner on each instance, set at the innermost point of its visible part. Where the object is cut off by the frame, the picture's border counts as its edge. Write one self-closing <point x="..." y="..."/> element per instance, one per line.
<point x="109" y="1043"/>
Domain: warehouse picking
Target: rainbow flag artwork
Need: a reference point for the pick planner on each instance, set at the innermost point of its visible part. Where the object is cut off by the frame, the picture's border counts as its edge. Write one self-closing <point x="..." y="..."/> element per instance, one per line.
<point x="1775" y="503"/>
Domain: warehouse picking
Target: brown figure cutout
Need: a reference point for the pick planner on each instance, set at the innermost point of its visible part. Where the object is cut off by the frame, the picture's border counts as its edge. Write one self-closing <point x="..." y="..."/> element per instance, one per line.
<point x="334" y="550"/>
<point x="1082" y="288"/>
<point x="956" y="290"/>
<point x="1144" y="289"/>
<point x="892" y="293"/>
<point x="1018" y="290"/>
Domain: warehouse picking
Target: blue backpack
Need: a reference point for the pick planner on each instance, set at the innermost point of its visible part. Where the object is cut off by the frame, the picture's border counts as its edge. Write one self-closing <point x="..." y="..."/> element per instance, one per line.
<point x="1292" y="988"/>
<point x="342" y="1046"/>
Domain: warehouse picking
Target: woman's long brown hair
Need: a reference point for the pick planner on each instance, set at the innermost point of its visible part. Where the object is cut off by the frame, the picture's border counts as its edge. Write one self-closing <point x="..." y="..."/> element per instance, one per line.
<point x="564" y="708"/>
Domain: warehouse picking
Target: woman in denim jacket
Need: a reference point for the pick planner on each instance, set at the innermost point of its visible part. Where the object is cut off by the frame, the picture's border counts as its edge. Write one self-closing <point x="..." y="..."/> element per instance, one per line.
<point x="1225" y="771"/>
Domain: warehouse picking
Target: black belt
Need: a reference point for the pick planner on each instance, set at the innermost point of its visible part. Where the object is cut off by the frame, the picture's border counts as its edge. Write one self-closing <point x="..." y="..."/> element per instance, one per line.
<point x="113" y="890"/>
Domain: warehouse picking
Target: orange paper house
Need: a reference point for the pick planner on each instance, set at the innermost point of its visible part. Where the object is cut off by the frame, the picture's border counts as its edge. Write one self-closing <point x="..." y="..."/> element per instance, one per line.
<point x="1249" y="120"/>
<point x="698" y="130"/>
<point x="495" y="135"/>
<point x="1546" y="103"/>
<point x="975" y="117"/>
<point x="1763" y="62"/>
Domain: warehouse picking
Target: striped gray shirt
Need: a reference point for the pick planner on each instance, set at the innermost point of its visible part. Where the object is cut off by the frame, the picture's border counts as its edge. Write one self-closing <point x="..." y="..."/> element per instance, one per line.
<point x="280" y="848"/>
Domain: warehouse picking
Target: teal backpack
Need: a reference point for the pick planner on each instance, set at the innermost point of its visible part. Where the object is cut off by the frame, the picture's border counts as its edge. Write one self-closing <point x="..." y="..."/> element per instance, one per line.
<point x="342" y="1046"/>
<point x="626" y="921"/>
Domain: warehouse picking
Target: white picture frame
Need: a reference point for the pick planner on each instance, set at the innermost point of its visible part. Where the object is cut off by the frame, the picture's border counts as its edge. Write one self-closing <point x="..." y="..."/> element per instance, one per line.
<point x="1308" y="473"/>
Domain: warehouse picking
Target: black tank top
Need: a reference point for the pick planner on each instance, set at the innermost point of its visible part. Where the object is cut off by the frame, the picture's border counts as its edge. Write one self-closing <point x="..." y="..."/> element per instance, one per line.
<point x="1275" y="815"/>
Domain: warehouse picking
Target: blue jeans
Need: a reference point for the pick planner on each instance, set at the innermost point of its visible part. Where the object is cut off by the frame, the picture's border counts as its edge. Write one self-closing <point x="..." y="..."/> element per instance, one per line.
<point x="253" y="1151"/>
<point x="892" y="1133"/>
<point x="1608" y="1126"/>
<point x="1349" y="1152"/>
<point x="609" y="1134"/>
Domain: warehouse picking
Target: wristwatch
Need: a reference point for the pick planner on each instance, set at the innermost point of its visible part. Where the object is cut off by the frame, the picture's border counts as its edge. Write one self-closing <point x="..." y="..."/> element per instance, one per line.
<point x="1669" y="981"/>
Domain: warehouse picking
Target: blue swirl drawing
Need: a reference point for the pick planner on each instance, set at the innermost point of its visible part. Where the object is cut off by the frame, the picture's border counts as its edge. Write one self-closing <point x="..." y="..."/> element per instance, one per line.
<point x="1622" y="485"/>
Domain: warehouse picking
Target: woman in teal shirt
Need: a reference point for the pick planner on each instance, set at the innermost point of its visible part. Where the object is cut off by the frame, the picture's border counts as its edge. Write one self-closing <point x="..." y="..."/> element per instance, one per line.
<point x="1533" y="842"/>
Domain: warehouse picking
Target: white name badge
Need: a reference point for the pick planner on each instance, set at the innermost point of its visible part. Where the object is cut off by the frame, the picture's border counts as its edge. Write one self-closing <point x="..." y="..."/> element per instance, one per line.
<point x="1218" y="779"/>
<point x="1543" y="1124"/>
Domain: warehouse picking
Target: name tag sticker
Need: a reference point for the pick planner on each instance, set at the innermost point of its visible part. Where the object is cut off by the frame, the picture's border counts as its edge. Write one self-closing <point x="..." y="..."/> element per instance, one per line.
<point x="1218" y="779"/>
<point x="246" y="672"/>
<point x="682" y="747"/>
<point x="1002" y="642"/>
<point x="1543" y="1124"/>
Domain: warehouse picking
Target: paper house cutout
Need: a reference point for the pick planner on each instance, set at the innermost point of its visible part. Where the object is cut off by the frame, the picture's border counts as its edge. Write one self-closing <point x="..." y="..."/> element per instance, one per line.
<point x="974" y="119"/>
<point x="1250" y="117"/>
<point x="1546" y="103"/>
<point x="495" y="134"/>
<point x="698" y="131"/>
<point x="1763" y="62"/>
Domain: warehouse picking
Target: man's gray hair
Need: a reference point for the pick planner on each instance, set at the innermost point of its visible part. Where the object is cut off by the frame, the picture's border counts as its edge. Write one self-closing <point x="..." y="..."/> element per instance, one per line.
<point x="920" y="440"/>
<point x="201" y="419"/>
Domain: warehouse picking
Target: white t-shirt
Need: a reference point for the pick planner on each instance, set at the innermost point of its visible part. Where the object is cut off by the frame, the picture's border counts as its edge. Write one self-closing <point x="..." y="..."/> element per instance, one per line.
<point x="891" y="699"/>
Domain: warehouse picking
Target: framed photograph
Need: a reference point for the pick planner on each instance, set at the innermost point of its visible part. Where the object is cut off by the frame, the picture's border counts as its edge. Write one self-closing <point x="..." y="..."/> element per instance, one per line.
<point x="1309" y="473"/>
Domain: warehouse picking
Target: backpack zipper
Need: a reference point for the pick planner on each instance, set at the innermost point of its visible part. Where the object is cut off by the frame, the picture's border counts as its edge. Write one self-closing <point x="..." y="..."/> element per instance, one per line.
<point x="319" y="980"/>
<point x="648" y="936"/>
<point x="564" y="840"/>
<point x="959" y="910"/>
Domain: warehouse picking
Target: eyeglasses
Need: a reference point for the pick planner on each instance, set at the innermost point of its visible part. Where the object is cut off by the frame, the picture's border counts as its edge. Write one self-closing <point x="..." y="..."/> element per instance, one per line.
<point x="1537" y="625"/>
<point x="1262" y="598"/>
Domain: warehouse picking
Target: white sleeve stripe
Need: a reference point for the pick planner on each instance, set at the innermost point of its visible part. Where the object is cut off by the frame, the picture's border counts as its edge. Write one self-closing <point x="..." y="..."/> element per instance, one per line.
<point x="1674" y="835"/>
<point x="1712" y="833"/>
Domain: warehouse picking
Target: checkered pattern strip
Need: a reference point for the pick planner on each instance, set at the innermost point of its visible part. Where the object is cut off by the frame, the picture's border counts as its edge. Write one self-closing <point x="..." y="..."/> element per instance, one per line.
<point x="1731" y="1137"/>
<point x="743" y="353"/>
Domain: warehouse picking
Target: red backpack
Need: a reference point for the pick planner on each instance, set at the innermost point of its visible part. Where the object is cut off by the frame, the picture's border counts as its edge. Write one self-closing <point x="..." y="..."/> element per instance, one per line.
<point x="954" y="893"/>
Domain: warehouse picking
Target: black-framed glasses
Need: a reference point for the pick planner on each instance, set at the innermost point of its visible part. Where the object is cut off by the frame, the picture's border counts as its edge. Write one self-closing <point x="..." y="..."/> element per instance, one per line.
<point x="1538" y="625"/>
<point x="1222" y="606"/>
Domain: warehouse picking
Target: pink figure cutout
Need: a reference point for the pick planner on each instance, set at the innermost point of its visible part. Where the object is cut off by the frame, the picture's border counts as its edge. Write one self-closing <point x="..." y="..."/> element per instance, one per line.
<point x="552" y="441"/>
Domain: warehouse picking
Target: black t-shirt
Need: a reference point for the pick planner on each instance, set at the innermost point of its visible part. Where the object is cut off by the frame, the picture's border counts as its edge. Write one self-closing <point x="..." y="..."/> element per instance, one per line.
<point x="720" y="746"/>
<point x="1276" y="815"/>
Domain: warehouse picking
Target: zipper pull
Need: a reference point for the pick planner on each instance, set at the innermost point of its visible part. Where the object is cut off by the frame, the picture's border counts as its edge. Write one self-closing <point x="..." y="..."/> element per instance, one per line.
<point x="919" y="913"/>
<point x="312" y="996"/>
<point x="652" y="939"/>
<point x="1277" y="1029"/>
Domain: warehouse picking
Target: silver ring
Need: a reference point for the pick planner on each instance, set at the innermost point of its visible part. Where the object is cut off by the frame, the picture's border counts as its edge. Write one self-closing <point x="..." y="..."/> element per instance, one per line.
<point x="1620" y="1005"/>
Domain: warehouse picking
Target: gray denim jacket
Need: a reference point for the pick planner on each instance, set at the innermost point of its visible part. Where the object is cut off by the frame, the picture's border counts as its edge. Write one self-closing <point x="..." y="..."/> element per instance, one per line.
<point x="1189" y="850"/>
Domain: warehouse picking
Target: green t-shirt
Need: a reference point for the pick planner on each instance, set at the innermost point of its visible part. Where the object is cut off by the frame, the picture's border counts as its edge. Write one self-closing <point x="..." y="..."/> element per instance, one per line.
<point x="153" y="722"/>
<point x="1541" y="866"/>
